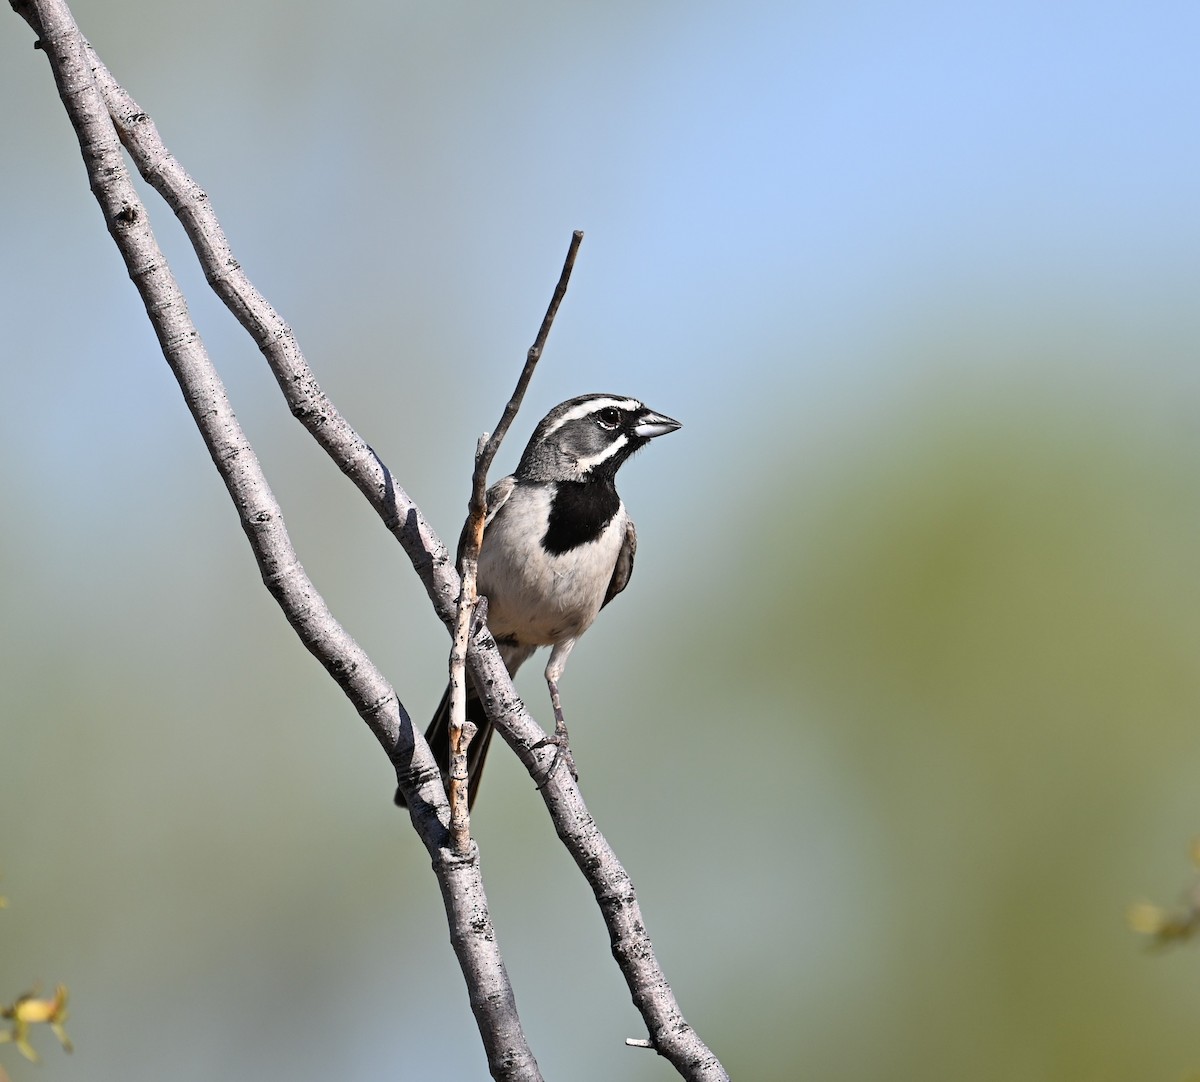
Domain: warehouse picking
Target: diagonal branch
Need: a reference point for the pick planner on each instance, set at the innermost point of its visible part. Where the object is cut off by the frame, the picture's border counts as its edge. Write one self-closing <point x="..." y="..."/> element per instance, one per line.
<point x="670" y="1034"/>
<point x="466" y="906"/>
<point x="275" y="338"/>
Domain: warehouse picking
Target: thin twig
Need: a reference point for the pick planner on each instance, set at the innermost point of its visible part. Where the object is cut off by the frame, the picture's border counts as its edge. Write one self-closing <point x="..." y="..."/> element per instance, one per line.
<point x="483" y="461"/>
<point x="671" y="1036"/>
<point x="461" y="732"/>
<point x="468" y="558"/>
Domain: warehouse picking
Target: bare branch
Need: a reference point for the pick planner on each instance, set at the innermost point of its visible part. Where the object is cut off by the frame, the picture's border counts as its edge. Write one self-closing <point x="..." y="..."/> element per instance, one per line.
<point x="304" y="396"/>
<point x="466" y="907"/>
<point x="670" y="1035"/>
<point x="462" y="732"/>
<point x="483" y="460"/>
<point x="673" y="1038"/>
<point x="468" y="559"/>
<point x="491" y="996"/>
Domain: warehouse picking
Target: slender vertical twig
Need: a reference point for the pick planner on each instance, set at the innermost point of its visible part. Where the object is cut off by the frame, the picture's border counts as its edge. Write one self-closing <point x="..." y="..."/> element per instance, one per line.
<point x="468" y="558"/>
<point x="483" y="461"/>
<point x="462" y="732"/>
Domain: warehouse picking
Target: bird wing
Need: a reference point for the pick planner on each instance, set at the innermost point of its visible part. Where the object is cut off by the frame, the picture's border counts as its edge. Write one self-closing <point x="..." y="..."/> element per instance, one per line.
<point x="624" y="569"/>
<point x="497" y="495"/>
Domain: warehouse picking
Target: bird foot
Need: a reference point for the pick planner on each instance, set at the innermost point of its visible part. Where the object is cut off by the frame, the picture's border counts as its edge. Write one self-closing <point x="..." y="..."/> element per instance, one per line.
<point x="562" y="752"/>
<point x="479" y="617"/>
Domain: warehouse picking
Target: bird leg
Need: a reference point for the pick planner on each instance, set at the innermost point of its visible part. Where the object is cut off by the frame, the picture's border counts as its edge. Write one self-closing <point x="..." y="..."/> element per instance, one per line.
<point x="560" y="725"/>
<point x="562" y="749"/>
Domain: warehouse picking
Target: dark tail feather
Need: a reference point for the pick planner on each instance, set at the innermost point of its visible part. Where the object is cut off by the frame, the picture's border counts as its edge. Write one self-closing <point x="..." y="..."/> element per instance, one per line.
<point x="438" y="738"/>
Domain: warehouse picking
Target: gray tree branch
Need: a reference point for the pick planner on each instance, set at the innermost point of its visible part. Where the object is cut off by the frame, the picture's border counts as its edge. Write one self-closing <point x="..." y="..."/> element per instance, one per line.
<point x="92" y="97"/>
<point x="471" y="933"/>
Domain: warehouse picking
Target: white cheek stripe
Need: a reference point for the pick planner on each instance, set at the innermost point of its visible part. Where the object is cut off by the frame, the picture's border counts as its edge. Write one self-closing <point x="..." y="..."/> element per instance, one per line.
<point x="585" y="464"/>
<point x="593" y="405"/>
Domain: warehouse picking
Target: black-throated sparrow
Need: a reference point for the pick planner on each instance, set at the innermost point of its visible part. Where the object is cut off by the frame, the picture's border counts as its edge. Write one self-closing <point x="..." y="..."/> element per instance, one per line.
<point x="557" y="547"/>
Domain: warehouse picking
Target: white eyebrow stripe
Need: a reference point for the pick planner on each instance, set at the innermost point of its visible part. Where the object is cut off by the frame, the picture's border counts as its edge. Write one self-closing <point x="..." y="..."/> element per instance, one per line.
<point x="585" y="464"/>
<point x="593" y="405"/>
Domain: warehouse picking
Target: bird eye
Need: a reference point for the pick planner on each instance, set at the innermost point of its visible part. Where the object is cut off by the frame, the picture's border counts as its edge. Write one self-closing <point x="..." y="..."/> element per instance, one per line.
<point x="609" y="417"/>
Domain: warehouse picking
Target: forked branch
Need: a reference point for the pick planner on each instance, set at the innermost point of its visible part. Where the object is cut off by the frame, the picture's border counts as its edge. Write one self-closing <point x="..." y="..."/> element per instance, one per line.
<point x="95" y="103"/>
<point x="474" y="941"/>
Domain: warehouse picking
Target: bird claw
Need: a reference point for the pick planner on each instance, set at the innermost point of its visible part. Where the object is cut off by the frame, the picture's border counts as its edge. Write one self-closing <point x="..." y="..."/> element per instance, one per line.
<point x="562" y="749"/>
<point x="562" y="753"/>
<point x="479" y="617"/>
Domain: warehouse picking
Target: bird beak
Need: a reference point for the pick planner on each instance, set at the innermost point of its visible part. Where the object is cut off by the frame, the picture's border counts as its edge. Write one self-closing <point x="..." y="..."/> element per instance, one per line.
<point x="652" y="424"/>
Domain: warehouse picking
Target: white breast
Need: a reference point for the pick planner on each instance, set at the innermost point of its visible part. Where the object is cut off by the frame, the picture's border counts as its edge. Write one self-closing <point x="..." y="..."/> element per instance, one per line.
<point x="533" y="596"/>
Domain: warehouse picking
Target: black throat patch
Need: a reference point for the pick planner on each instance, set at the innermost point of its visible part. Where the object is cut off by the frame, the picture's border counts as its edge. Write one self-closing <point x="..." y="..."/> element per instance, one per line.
<point x="579" y="511"/>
